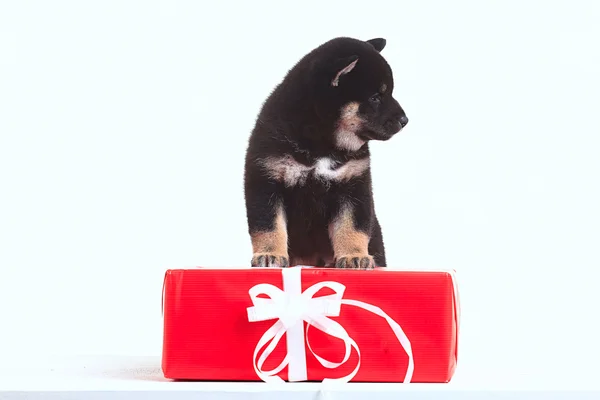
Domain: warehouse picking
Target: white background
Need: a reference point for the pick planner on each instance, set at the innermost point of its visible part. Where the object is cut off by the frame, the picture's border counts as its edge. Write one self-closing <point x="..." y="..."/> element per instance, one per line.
<point x="123" y="129"/>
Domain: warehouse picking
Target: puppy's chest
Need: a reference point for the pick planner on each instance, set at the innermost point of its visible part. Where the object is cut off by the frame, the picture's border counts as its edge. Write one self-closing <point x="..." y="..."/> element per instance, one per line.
<point x="324" y="170"/>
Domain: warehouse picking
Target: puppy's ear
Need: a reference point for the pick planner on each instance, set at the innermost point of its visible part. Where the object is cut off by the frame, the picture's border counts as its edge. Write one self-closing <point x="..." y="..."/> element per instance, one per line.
<point x="344" y="67"/>
<point x="378" y="43"/>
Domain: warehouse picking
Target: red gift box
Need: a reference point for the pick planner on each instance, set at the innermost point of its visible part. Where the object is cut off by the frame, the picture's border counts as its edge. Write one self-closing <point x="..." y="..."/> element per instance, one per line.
<point x="310" y="324"/>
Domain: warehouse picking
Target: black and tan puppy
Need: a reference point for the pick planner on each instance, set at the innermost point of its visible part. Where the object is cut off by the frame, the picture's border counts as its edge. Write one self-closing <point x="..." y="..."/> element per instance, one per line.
<point x="307" y="176"/>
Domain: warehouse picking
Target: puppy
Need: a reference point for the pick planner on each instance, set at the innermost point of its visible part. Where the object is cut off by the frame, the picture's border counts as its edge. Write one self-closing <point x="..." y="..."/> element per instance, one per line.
<point x="307" y="179"/>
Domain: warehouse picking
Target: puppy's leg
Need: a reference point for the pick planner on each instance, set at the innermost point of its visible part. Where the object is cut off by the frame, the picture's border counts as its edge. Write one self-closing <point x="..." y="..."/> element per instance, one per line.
<point x="376" y="247"/>
<point x="351" y="243"/>
<point x="270" y="246"/>
<point x="266" y="223"/>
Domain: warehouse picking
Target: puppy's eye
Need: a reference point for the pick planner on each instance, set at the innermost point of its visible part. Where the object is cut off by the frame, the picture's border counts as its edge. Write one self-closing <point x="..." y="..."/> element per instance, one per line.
<point x="376" y="98"/>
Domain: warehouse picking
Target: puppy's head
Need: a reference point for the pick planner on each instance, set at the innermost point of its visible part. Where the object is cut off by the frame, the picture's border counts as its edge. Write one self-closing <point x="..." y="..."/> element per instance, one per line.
<point x="360" y="88"/>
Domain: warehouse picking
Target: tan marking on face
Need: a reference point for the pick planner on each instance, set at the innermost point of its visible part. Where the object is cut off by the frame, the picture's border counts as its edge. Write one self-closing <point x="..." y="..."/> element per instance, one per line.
<point x="345" y="239"/>
<point x="348" y="124"/>
<point x="383" y="88"/>
<point x="273" y="242"/>
<point x="292" y="173"/>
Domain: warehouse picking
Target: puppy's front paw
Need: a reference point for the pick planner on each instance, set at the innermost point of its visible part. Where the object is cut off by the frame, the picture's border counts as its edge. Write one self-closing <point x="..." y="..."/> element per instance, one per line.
<point x="268" y="260"/>
<point x="355" y="261"/>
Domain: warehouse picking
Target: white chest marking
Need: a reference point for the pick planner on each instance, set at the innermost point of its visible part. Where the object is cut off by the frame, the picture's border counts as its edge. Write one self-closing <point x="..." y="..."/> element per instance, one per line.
<point x="292" y="173"/>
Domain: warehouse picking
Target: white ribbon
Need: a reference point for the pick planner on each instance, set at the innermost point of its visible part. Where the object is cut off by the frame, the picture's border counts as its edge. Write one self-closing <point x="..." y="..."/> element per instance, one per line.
<point x="291" y="307"/>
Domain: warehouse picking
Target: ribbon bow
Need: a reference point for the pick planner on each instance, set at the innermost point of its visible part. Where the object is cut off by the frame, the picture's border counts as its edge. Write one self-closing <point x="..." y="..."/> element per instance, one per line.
<point x="291" y="307"/>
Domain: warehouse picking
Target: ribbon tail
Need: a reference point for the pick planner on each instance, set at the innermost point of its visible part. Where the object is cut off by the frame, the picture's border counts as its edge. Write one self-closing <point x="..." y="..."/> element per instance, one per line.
<point x="336" y="330"/>
<point x="274" y="333"/>
<point x="400" y="335"/>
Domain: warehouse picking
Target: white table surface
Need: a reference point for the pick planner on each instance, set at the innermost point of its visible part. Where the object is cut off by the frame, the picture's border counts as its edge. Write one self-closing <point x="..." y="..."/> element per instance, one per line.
<point x="141" y="377"/>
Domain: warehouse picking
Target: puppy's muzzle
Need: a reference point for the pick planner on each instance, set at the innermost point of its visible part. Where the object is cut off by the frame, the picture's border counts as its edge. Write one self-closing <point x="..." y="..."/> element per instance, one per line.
<point x="396" y="124"/>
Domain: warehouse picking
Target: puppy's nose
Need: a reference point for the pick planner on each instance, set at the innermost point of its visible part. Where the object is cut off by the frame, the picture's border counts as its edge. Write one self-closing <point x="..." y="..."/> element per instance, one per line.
<point x="403" y="120"/>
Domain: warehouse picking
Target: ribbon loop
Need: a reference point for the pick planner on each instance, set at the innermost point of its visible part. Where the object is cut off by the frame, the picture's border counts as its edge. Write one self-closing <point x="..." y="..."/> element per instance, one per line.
<point x="292" y="307"/>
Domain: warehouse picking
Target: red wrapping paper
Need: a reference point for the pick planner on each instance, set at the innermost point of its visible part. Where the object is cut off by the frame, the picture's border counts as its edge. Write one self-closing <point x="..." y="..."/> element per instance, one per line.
<point x="207" y="334"/>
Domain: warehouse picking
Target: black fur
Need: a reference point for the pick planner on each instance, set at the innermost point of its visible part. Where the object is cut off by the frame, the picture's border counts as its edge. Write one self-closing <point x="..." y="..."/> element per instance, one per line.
<point x="300" y="118"/>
